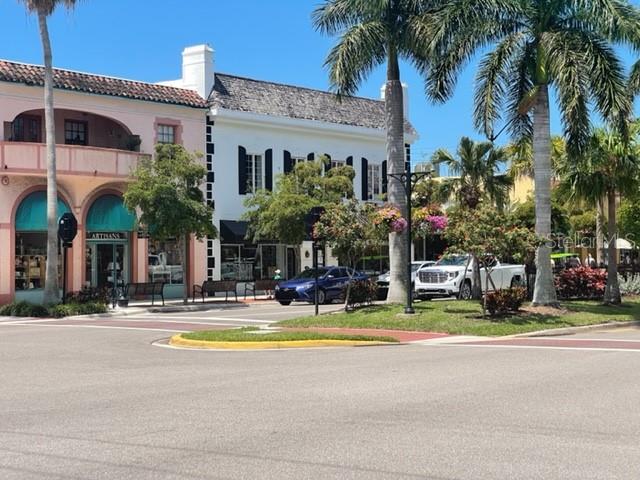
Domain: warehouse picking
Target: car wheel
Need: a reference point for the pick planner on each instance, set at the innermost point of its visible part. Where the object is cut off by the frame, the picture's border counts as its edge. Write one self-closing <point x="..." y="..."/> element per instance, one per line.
<point x="322" y="297"/>
<point x="516" y="282"/>
<point x="282" y="302"/>
<point x="465" y="291"/>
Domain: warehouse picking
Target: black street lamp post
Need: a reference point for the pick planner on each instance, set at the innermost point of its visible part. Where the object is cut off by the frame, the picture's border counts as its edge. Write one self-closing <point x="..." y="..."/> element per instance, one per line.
<point x="408" y="180"/>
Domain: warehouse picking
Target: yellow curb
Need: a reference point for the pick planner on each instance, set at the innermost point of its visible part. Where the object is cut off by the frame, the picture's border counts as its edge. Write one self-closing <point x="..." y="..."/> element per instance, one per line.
<point x="179" y="341"/>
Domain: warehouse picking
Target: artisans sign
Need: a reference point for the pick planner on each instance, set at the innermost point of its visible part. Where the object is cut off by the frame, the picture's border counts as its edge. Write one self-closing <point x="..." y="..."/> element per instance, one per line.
<point x="106" y="236"/>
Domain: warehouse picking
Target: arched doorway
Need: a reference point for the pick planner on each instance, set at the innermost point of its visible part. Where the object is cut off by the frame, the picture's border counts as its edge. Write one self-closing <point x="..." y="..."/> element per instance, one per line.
<point x="109" y="227"/>
<point x="31" y="243"/>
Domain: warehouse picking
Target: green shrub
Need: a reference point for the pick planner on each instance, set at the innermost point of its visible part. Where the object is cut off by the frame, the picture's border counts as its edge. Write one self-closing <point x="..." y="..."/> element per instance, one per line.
<point x="362" y="292"/>
<point x="23" y="309"/>
<point x="71" y="309"/>
<point x="506" y="300"/>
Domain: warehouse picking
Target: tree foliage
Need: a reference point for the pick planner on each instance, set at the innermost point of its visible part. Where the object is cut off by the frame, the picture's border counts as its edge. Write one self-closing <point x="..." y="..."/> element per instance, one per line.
<point x="167" y="197"/>
<point x="280" y="215"/>
<point x="476" y="173"/>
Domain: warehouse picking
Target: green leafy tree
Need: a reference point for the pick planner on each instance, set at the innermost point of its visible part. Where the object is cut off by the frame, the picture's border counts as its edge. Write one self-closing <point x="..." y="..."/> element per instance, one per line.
<point x="43" y="9"/>
<point x="349" y="229"/>
<point x="484" y="234"/>
<point x="168" y="200"/>
<point x="610" y="167"/>
<point x="629" y="218"/>
<point x="373" y="33"/>
<point x="565" y="45"/>
<point x="280" y="215"/>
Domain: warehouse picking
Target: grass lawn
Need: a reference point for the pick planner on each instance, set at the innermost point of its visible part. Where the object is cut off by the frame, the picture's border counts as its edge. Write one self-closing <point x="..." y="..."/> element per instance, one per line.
<point x="248" y="335"/>
<point x="465" y="318"/>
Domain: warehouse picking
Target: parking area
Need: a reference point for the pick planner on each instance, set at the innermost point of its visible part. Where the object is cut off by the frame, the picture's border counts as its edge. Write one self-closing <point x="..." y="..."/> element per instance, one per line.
<point x="216" y="317"/>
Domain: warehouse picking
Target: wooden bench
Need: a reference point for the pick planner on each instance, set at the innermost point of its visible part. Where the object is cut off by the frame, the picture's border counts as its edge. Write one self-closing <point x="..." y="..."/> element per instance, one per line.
<point x="145" y="289"/>
<point x="211" y="287"/>
<point x="267" y="286"/>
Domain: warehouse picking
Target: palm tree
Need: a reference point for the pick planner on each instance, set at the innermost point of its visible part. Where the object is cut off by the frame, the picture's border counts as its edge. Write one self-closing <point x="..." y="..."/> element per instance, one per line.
<point x="476" y="176"/>
<point x="44" y="8"/>
<point x="372" y="33"/>
<point x="564" y="45"/>
<point x="476" y="173"/>
<point x="610" y="167"/>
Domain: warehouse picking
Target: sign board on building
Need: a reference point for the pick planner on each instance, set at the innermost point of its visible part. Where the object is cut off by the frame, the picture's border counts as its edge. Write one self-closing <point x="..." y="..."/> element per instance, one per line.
<point x="106" y="236"/>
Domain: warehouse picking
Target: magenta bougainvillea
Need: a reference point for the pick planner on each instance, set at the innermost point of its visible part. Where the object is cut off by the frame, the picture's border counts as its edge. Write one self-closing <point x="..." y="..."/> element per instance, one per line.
<point x="429" y="221"/>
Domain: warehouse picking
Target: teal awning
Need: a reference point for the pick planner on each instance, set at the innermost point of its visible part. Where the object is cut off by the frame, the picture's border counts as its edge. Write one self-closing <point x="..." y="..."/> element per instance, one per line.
<point x="32" y="212"/>
<point x="108" y="214"/>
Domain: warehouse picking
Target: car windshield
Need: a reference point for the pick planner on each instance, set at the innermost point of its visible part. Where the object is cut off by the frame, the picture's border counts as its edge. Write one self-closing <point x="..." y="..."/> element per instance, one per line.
<point x="310" y="273"/>
<point x="453" y="260"/>
<point x="415" y="266"/>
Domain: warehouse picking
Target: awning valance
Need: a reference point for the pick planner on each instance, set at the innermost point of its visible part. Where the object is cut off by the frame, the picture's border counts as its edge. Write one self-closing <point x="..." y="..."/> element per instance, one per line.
<point x="31" y="215"/>
<point x="233" y="231"/>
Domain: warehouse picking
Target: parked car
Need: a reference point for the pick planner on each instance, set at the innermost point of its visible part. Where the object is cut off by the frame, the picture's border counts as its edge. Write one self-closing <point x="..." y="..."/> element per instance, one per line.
<point x="383" y="280"/>
<point x="446" y="278"/>
<point x="301" y="288"/>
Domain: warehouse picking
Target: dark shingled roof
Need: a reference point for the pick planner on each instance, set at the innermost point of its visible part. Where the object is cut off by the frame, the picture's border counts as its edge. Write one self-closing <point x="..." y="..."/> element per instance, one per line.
<point x="100" y="85"/>
<point x="267" y="98"/>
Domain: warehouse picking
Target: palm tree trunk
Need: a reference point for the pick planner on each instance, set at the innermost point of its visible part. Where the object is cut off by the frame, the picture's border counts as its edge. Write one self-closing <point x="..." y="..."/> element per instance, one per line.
<point x="544" y="292"/>
<point x="51" y="288"/>
<point x="599" y="232"/>
<point x="394" y="121"/>
<point x="612" y="291"/>
<point x="476" y="290"/>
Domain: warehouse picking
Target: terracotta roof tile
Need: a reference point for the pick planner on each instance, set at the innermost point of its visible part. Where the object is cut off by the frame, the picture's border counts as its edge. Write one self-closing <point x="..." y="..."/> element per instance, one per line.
<point x="100" y="85"/>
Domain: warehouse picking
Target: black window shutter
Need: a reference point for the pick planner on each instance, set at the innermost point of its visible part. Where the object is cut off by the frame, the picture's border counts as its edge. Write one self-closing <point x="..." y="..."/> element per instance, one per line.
<point x="327" y="166"/>
<point x="384" y="177"/>
<point x="242" y="170"/>
<point x="311" y="157"/>
<point x="268" y="169"/>
<point x="364" y="172"/>
<point x="350" y="161"/>
<point x="288" y="164"/>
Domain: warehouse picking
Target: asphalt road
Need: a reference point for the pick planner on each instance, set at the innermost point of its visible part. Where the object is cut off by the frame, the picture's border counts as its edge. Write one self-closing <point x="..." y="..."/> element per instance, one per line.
<point x="89" y="403"/>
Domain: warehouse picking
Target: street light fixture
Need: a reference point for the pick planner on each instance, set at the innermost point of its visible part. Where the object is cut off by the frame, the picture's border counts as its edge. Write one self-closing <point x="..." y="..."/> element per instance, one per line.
<point x="408" y="180"/>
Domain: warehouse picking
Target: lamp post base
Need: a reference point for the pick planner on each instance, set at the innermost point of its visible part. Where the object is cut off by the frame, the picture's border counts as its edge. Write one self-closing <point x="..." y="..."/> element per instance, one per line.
<point x="409" y="311"/>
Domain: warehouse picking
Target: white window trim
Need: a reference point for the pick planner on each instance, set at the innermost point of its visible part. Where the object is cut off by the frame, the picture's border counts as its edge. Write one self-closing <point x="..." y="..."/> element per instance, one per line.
<point x="252" y="184"/>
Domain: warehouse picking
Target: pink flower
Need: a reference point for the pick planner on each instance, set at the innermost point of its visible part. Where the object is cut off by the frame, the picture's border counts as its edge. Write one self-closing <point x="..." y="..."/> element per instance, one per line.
<point x="399" y="225"/>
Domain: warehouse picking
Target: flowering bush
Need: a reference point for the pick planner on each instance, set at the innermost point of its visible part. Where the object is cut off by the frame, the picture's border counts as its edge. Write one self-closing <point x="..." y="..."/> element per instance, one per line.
<point x="581" y="282"/>
<point x="390" y="218"/>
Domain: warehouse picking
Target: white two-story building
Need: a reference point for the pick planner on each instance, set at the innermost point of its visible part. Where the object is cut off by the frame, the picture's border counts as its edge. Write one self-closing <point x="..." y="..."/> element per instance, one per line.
<point x="257" y="130"/>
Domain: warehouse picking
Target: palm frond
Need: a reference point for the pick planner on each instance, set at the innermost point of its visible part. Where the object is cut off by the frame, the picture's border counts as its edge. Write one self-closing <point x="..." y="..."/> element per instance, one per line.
<point x="360" y="50"/>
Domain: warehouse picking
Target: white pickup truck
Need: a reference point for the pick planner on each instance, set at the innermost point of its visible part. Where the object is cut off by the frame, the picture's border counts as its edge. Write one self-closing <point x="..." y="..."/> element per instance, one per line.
<point x="446" y="278"/>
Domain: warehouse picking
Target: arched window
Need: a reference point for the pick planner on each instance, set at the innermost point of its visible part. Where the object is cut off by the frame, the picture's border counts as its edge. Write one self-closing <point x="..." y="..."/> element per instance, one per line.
<point x="31" y="240"/>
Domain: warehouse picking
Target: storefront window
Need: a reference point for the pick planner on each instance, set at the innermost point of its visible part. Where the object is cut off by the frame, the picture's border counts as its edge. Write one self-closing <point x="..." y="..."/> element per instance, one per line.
<point x="31" y="260"/>
<point x="248" y="262"/>
<point x="166" y="263"/>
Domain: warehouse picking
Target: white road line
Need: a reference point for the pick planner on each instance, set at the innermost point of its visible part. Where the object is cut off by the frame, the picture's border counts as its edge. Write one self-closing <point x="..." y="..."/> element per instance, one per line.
<point x="188" y="319"/>
<point x="101" y="326"/>
<point x="533" y="347"/>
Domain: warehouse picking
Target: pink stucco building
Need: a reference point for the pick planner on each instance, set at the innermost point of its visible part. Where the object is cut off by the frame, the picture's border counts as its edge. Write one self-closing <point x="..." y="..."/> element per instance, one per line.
<point x="104" y="125"/>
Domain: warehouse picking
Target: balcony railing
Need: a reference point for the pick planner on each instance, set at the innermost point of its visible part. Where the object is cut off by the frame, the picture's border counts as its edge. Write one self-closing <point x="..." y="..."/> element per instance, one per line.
<point x="31" y="158"/>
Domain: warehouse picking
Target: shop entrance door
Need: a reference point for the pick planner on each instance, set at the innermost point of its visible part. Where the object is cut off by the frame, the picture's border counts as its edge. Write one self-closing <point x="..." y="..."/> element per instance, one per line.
<point x="109" y="264"/>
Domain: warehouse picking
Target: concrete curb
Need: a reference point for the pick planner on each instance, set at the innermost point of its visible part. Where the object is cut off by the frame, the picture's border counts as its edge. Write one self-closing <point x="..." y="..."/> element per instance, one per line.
<point x="179" y="341"/>
<point x="556" y="332"/>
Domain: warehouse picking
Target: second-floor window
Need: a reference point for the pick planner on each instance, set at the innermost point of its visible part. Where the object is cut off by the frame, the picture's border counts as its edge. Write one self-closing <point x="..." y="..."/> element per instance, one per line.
<point x="255" y="173"/>
<point x="374" y="181"/>
<point x="75" y="132"/>
<point x="166" y="134"/>
<point x="26" y="128"/>
<point x="297" y="160"/>
<point x="337" y="163"/>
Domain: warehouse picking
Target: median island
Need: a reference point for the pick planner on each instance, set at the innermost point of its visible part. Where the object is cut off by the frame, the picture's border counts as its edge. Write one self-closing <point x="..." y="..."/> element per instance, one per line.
<point x="253" y="338"/>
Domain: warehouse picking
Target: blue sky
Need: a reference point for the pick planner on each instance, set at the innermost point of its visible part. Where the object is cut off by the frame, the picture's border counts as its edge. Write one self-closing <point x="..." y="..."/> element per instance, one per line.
<point x="269" y="40"/>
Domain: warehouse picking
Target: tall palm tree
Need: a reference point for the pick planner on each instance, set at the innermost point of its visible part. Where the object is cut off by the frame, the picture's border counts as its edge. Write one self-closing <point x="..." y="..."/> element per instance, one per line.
<point x="476" y="176"/>
<point x="609" y="167"/>
<point x="539" y="45"/>
<point x="373" y="32"/>
<point x="476" y="173"/>
<point x="43" y="9"/>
